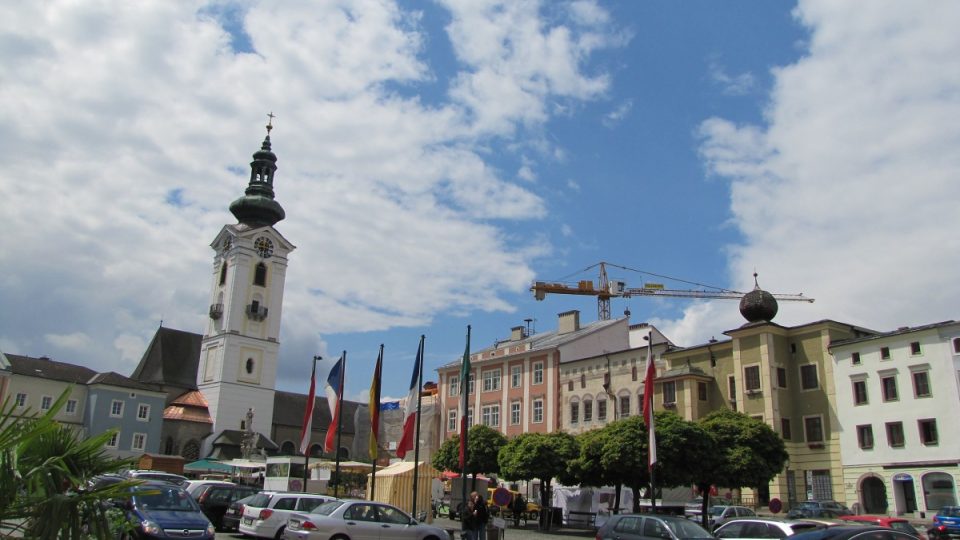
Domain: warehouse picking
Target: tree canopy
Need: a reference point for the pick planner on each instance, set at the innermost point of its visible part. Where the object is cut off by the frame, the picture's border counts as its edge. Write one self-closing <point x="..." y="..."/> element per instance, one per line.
<point x="483" y="449"/>
<point x="536" y="456"/>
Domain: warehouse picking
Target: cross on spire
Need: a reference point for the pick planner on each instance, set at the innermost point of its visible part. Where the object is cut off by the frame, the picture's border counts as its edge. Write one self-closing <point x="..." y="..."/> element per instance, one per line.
<point x="270" y="122"/>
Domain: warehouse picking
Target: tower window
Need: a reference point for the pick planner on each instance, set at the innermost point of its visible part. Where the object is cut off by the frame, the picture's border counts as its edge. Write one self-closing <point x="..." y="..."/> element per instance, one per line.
<point x="249" y="366"/>
<point x="260" y="275"/>
<point x="223" y="273"/>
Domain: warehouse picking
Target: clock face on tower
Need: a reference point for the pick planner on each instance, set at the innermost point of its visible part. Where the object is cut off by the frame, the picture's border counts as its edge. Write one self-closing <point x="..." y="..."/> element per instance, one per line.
<point x="264" y="247"/>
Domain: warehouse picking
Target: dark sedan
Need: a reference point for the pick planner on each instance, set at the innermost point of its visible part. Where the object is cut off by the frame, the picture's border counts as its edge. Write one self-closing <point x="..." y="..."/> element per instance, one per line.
<point x="233" y="514"/>
<point x="854" y="532"/>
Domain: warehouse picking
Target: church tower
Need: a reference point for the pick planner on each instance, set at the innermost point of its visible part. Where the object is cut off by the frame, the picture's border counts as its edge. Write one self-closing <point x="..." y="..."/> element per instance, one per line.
<point x="239" y="352"/>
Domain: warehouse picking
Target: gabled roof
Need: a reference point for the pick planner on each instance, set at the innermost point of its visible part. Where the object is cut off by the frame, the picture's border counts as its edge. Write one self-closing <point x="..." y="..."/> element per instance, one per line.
<point x="897" y="332"/>
<point x="543" y="341"/>
<point x="171" y="359"/>
<point x="112" y="378"/>
<point x="49" y="369"/>
<point x="288" y="411"/>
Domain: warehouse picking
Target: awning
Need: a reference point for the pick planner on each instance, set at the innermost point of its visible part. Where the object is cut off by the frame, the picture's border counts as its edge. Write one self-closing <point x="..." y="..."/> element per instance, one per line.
<point x="208" y="465"/>
<point x="245" y="464"/>
<point x="344" y="465"/>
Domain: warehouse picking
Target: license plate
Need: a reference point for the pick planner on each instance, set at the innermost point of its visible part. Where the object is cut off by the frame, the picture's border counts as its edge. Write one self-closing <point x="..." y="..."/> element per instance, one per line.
<point x="248" y="521"/>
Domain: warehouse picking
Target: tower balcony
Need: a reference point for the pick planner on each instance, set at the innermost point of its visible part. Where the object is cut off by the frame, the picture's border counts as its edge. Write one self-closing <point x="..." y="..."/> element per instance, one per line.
<point x="256" y="312"/>
<point x="216" y="311"/>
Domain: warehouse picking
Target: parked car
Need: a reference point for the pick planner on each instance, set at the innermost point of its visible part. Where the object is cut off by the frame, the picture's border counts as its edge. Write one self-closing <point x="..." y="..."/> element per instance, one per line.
<point x="650" y="527"/>
<point x="853" y="532"/>
<point x="193" y="485"/>
<point x="157" y="506"/>
<point x="162" y="476"/>
<point x="359" y="520"/>
<point x="265" y="515"/>
<point x="946" y="522"/>
<point x="824" y="509"/>
<point x="895" y="523"/>
<point x="234" y="513"/>
<point x="214" y="499"/>
<point x="718" y="514"/>
<point x="763" y="528"/>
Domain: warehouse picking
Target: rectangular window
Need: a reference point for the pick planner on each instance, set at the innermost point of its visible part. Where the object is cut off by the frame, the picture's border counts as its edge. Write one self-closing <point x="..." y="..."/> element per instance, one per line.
<point x="21" y="399"/>
<point x="895" y="434"/>
<point x="139" y="441"/>
<point x="515" y="413"/>
<point x="575" y="412"/>
<point x="808" y="377"/>
<point x="956" y="345"/>
<point x="71" y="407"/>
<point x="587" y="411"/>
<point x="813" y="429"/>
<point x="116" y="408"/>
<point x="732" y="389"/>
<point x="702" y="391"/>
<point x="491" y="380"/>
<point x="633" y="373"/>
<point x="602" y="410"/>
<point x="538" y="373"/>
<point x="114" y="440"/>
<point x="785" y="429"/>
<point x="889" y="386"/>
<point x="538" y="411"/>
<point x="583" y="381"/>
<point x="451" y="420"/>
<point x="859" y="392"/>
<point x="781" y="377"/>
<point x="751" y="378"/>
<point x="143" y="412"/>
<point x="570" y="385"/>
<point x="46" y="402"/>
<point x="624" y="406"/>
<point x="884" y="353"/>
<point x="516" y="376"/>
<point x="915" y="348"/>
<point x="865" y="436"/>
<point x="669" y="392"/>
<point x="469" y="417"/>
<point x="471" y="385"/>
<point x="855" y="358"/>
<point x="921" y="384"/>
<point x="454" y="386"/>
<point x="928" y="431"/>
<point x="490" y="415"/>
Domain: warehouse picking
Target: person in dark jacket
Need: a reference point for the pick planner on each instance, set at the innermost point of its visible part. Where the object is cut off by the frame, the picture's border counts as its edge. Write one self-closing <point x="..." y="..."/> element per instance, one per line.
<point x="476" y="517"/>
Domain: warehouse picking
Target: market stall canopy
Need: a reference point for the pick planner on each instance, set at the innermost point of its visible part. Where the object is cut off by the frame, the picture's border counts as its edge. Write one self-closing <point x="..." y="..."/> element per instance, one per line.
<point x="344" y="465"/>
<point x="245" y="464"/>
<point x="208" y="465"/>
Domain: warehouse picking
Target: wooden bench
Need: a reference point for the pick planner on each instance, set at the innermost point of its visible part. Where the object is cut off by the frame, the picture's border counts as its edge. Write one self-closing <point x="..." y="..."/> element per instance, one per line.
<point x="586" y="520"/>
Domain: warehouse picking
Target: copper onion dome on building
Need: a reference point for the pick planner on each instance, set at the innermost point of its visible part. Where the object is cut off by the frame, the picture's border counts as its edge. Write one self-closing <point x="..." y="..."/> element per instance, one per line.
<point x="257" y="207"/>
<point x="758" y="305"/>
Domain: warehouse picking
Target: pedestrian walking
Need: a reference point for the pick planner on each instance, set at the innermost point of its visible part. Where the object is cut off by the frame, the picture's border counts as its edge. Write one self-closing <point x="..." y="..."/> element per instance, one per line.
<point x="479" y="514"/>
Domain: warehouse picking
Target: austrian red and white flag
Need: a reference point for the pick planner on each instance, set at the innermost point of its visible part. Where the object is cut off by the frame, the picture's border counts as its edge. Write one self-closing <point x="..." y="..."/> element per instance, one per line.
<point x="409" y="436"/>
<point x="307" y="426"/>
<point x="648" y="404"/>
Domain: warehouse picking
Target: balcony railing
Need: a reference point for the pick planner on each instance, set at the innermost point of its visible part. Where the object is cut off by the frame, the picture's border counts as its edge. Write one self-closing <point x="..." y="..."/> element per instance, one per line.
<point x="257" y="313"/>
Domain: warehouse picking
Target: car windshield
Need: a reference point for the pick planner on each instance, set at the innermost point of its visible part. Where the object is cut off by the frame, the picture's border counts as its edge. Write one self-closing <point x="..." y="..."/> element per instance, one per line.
<point x="717" y="510"/>
<point x="327" y="508"/>
<point x="161" y="498"/>
<point x="260" y="500"/>
<point x="949" y="511"/>
<point x="684" y="528"/>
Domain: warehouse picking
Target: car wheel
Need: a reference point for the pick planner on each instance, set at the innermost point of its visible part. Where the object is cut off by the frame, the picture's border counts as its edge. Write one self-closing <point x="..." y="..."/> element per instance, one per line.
<point x="279" y="534"/>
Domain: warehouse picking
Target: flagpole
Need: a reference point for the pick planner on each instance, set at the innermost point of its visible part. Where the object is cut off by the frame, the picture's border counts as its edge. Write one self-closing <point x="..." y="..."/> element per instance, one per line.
<point x="416" y="447"/>
<point x="343" y="376"/>
<point x="651" y="441"/>
<point x="464" y="391"/>
<point x="309" y="407"/>
<point x="375" y="425"/>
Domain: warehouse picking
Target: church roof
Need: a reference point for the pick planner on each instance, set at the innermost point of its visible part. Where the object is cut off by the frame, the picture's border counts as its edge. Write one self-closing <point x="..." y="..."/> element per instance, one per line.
<point x="288" y="411"/>
<point x="113" y="378"/>
<point x="171" y="359"/>
<point x="49" y="369"/>
<point x="190" y="407"/>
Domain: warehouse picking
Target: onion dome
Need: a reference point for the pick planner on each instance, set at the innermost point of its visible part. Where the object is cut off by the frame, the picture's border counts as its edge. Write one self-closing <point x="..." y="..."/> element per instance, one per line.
<point x="257" y="208"/>
<point x="758" y="305"/>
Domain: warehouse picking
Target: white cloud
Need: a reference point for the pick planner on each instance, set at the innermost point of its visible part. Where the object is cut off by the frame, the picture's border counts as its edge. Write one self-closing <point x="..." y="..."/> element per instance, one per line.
<point x="849" y="192"/>
<point x="731" y="85"/>
<point x="112" y="110"/>
<point x="617" y="115"/>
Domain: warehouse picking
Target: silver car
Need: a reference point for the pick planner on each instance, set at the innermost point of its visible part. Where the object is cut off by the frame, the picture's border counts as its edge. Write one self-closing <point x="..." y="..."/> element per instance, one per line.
<point x="359" y="520"/>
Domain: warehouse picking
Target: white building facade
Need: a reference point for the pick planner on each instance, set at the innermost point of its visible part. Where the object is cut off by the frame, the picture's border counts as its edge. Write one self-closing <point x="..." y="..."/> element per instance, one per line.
<point x="898" y="408"/>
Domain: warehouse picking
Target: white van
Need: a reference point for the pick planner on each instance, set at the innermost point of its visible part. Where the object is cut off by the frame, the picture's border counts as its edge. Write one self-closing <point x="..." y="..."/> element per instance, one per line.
<point x="265" y="515"/>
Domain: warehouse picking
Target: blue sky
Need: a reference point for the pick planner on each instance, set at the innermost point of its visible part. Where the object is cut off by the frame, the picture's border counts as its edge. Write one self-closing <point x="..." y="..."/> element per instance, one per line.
<point x="436" y="157"/>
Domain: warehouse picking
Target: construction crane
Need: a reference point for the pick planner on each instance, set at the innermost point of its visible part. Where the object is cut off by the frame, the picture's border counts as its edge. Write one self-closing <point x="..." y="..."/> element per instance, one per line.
<point x="606" y="289"/>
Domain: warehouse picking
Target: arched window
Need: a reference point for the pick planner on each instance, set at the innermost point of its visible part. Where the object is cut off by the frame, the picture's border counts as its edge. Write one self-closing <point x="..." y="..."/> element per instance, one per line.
<point x="223" y="272"/>
<point x="168" y="448"/>
<point x="260" y="275"/>
<point x="316" y="451"/>
<point x="344" y="453"/>
<point x="938" y="490"/>
<point x="287" y="448"/>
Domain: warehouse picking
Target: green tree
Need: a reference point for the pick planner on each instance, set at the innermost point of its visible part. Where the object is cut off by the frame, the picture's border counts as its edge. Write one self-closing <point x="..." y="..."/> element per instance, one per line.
<point x="483" y="448"/>
<point x="45" y="469"/>
<point x="536" y="456"/>
<point x="750" y="452"/>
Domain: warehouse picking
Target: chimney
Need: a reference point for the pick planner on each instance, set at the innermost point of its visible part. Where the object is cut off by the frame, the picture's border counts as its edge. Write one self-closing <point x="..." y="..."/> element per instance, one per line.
<point x="517" y="333"/>
<point x="569" y="322"/>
